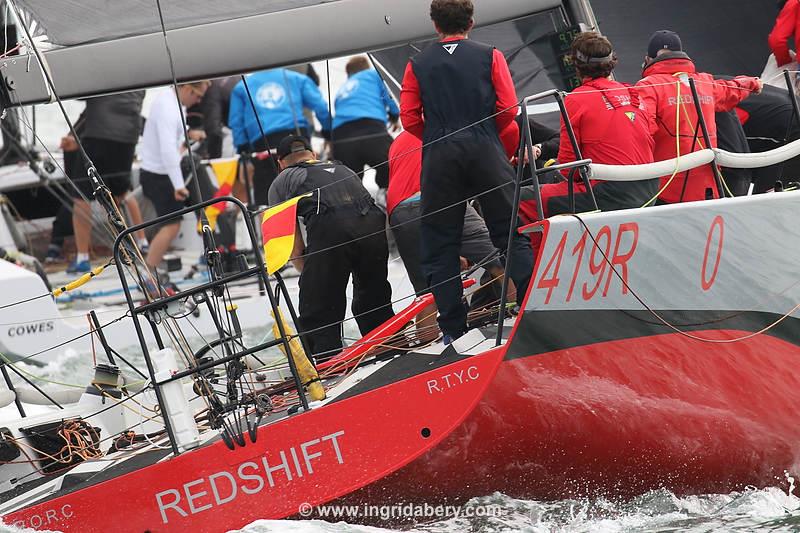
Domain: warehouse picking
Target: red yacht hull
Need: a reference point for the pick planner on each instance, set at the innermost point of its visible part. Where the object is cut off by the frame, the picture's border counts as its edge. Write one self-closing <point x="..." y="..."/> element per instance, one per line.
<point x="656" y="349"/>
<point x="619" y="418"/>
<point x="304" y="460"/>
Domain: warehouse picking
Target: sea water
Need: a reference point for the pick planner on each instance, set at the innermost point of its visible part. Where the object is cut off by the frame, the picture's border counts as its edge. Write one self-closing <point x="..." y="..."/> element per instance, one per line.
<point x="770" y="509"/>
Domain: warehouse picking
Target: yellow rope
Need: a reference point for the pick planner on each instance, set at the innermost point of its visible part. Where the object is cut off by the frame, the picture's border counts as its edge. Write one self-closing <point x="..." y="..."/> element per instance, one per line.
<point x="83" y="280"/>
<point x="652" y="200"/>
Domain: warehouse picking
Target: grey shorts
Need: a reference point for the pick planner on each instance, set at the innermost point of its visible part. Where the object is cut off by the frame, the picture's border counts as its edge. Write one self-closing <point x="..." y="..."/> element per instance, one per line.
<point x="476" y="244"/>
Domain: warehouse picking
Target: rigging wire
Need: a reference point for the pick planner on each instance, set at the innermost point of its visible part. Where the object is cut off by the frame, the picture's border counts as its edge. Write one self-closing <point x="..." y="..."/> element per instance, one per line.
<point x="270" y="156"/>
<point x="330" y="106"/>
<point x="489" y="117"/>
<point x="401" y="155"/>
<point x="194" y="171"/>
<point x="55" y="184"/>
<point x="679" y="104"/>
<point x="27" y="300"/>
<point x="413" y="150"/>
<point x="408" y="221"/>
<point x="91" y="169"/>
<point x="83" y="279"/>
<point x="358" y="315"/>
<point x="291" y="102"/>
<point x="6" y="361"/>
<point x="102" y="193"/>
<point x="195" y="182"/>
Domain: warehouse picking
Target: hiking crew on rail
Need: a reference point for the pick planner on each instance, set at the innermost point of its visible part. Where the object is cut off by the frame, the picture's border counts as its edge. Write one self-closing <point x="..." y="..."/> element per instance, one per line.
<point x="611" y="127"/>
<point x="665" y="64"/>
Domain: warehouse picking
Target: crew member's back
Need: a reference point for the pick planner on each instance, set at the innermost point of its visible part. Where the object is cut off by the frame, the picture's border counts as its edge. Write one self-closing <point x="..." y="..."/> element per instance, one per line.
<point x="610" y="127"/>
<point x="665" y="90"/>
<point x="345" y="235"/>
<point x="457" y="97"/>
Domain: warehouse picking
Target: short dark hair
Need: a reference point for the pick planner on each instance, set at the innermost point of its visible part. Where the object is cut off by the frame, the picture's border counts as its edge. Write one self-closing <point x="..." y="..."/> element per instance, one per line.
<point x="452" y="16"/>
<point x="588" y="50"/>
<point x="356" y="64"/>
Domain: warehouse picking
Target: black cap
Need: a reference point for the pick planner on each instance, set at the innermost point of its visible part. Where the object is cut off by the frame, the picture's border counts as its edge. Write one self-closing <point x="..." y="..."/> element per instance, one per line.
<point x="292" y="144"/>
<point x="664" y="40"/>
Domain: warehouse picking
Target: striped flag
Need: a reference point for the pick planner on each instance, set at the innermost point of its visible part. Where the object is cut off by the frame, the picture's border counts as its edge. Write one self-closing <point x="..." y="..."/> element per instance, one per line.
<point x="225" y="170"/>
<point x="277" y="231"/>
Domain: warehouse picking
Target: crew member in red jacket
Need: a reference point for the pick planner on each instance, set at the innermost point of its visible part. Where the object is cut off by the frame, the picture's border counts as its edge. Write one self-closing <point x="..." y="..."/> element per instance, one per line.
<point x="610" y="127"/>
<point x="787" y="26"/>
<point x="665" y="85"/>
<point x="456" y="84"/>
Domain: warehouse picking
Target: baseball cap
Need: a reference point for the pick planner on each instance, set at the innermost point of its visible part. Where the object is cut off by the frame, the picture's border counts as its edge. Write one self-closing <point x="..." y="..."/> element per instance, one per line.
<point x="664" y="40"/>
<point x="292" y="144"/>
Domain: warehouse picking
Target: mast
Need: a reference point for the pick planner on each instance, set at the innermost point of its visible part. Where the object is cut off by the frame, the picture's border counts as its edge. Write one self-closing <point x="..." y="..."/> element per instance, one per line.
<point x="259" y="42"/>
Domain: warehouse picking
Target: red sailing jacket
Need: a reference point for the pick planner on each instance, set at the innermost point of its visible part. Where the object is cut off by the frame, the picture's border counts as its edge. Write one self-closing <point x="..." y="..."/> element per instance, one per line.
<point x="611" y="128"/>
<point x="787" y="26"/>
<point x="609" y="125"/>
<point x="658" y="91"/>
<point x="405" y="168"/>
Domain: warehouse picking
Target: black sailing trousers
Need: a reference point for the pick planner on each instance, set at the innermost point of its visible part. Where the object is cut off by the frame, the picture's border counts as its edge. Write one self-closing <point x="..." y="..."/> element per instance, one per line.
<point x="453" y="170"/>
<point x="363" y="142"/>
<point x="323" y="301"/>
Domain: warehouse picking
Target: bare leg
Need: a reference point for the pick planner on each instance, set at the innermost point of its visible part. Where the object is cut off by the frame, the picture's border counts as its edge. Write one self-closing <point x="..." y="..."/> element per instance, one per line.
<point x="82" y="224"/>
<point x="240" y="191"/>
<point x="497" y="274"/>
<point x="426" y="320"/>
<point x="160" y="244"/>
<point x="133" y="212"/>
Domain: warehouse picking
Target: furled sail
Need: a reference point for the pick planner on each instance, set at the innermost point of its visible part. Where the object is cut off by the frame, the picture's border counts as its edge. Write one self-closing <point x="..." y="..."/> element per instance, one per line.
<point x="117" y="46"/>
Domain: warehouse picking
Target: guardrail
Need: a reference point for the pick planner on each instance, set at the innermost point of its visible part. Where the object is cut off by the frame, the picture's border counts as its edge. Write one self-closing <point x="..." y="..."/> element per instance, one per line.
<point x="716" y="156"/>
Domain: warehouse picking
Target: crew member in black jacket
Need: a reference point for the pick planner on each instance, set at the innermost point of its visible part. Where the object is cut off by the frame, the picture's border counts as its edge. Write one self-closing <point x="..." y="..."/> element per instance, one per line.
<point x="345" y="233"/>
<point x="458" y="85"/>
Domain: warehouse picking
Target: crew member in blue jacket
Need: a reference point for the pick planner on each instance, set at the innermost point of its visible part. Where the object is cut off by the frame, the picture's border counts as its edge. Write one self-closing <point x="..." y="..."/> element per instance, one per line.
<point x="279" y="96"/>
<point x="363" y="107"/>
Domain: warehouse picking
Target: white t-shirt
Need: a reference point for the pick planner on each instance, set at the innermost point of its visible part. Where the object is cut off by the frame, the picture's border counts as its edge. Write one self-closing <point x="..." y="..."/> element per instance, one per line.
<point x="162" y="138"/>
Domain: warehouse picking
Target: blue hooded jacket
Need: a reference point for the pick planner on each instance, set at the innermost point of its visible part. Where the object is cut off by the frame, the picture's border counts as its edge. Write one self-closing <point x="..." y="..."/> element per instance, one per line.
<point x="364" y="96"/>
<point x="279" y="96"/>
